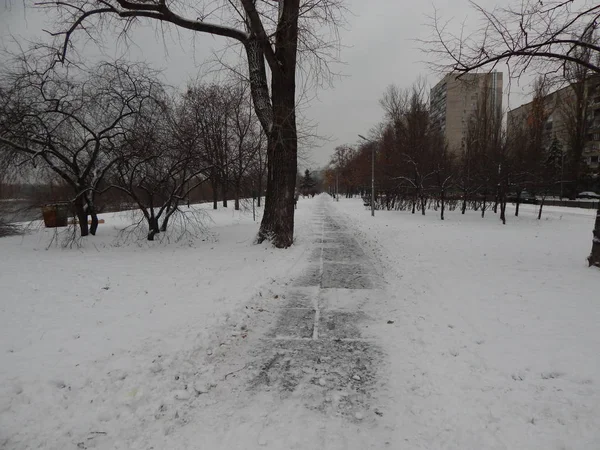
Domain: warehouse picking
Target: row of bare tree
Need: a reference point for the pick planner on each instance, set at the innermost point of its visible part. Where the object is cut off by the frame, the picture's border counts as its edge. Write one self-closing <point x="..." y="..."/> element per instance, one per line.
<point x="551" y="38"/>
<point x="414" y="166"/>
<point x="116" y="126"/>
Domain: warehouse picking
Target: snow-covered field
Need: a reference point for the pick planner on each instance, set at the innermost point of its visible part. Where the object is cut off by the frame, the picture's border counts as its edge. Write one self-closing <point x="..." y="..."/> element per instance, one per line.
<point x="496" y="334"/>
<point x="75" y="323"/>
<point x="492" y="340"/>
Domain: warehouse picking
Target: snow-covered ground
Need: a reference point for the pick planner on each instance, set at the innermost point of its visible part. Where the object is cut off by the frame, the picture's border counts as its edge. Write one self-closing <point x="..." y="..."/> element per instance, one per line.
<point x="473" y="335"/>
<point x="496" y="334"/>
<point x="75" y="323"/>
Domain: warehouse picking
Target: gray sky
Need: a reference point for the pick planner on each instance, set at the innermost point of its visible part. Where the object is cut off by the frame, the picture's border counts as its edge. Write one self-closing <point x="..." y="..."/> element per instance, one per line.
<point x="379" y="49"/>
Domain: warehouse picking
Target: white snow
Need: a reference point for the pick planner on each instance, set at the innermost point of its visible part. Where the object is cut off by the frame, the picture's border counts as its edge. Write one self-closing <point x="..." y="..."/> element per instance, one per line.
<point x="87" y="326"/>
<point x="496" y="334"/>
<point x="489" y="336"/>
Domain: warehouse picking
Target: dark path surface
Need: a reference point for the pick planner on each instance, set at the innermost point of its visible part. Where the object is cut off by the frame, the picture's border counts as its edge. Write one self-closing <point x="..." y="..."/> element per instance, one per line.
<point x="320" y="348"/>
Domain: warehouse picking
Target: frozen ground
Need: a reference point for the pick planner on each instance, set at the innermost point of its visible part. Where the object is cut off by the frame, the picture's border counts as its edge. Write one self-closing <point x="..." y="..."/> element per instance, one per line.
<point x="395" y="332"/>
<point x="495" y="340"/>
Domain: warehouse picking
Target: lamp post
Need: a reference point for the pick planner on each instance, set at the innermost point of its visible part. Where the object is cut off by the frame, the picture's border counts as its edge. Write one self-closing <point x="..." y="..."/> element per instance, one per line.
<point x="372" y="173"/>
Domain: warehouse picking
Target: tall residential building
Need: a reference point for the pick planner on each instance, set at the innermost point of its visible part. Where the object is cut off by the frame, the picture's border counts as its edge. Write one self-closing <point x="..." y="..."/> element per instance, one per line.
<point x="453" y="101"/>
<point x="557" y="110"/>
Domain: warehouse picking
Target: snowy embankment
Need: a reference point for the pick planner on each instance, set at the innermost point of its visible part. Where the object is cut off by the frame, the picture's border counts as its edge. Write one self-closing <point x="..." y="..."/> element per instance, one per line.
<point x="496" y="328"/>
<point x="91" y="326"/>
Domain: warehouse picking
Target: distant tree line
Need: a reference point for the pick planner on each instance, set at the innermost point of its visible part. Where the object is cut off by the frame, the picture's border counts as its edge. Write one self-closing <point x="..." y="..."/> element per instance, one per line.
<point x="416" y="170"/>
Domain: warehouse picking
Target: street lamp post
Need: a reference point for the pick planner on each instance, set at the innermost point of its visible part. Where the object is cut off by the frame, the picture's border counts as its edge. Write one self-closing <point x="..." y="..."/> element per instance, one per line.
<point x="372" y="173"/>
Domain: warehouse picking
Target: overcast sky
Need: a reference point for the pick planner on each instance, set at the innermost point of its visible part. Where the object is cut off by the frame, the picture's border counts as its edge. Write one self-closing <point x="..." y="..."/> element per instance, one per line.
<point x="379" y="48"/>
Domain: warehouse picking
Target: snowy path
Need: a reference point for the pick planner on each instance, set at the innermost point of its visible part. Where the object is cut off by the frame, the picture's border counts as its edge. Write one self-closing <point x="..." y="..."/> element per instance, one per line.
<point x="289" y="363"/>
<point x="310" y="378"/>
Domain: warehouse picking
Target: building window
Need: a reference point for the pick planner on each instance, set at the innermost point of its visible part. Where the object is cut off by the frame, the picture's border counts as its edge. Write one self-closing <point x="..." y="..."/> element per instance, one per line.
<point x="594" y="159"/>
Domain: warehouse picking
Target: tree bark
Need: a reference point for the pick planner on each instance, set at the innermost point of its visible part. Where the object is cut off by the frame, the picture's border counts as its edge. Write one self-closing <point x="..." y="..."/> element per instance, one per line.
<point x="277" y="223"/>
<point x="541" y="207"/>
<point x="169" y="211"/>
<point x="153" y="228"/>
<point x="442" y="198"/>
<point x="215" y="191"/>
<point x="91" y="209"/>
<point x="82" y="216"/>
<point x="259" y="191"/>
<point x="224" y="192"/>
<point x="483" y="207"/>
<point x="237" y="195"/>
<point x="594" y="258"/>
<point x="94" y="217"/>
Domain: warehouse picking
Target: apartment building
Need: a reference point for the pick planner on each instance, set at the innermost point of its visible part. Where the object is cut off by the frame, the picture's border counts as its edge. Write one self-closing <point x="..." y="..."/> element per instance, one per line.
<point x="454" y="100"/>
<point x="556" y="106"/>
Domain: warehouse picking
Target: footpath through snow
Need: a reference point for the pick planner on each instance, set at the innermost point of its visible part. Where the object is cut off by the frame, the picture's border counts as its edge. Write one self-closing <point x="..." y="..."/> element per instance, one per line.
<point x="221" y="345"/>
<point x="397" y="331"/>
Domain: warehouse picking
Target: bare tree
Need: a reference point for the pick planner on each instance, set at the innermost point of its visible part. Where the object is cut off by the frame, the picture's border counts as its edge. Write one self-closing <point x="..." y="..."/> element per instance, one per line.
<point x="575" y="111"/>
<point x="271" y="34"/>
<point x="247" y="140"/>
<point x="340" y="164"/>
<point x="444" y="173"/>
<point x="258" y="169"/>
<point x="159" y="168"/>
<point x="547" y="37"/>
<point x="529" y="145"/>
<point x="207" y="115"/>
<point x="72" y="121"/>
<point x="418" y="145"/>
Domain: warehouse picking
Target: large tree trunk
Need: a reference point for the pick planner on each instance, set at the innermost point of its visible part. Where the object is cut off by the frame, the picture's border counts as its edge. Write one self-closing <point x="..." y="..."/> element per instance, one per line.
<point x="94" y="217"/>
<point x="282" y="151"/>
<point x="278" y="219"/>
<point x="153" y="228"/>
<point x="594" y="258"/>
